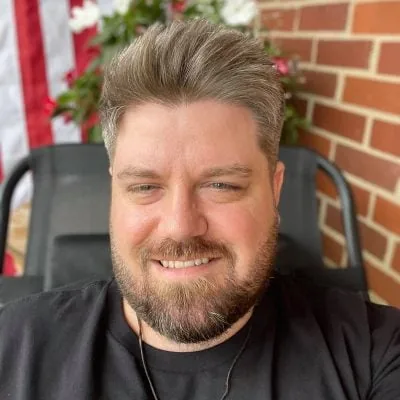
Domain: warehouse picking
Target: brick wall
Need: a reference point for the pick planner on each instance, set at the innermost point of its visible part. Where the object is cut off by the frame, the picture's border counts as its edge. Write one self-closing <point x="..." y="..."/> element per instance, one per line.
<point x="350" y="53"/>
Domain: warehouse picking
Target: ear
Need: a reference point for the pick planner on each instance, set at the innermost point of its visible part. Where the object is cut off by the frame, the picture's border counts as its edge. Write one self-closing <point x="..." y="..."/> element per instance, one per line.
<point x="277" y="181"/>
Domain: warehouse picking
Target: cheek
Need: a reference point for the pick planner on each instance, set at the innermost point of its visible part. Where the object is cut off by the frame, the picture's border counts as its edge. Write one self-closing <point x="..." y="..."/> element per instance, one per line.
<point x="244" y="228"/>
<point x="131" y="224"/>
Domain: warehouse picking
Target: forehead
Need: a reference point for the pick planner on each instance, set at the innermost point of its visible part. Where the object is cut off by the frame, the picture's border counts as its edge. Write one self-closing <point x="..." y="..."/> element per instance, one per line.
<point x="201" y="134"/>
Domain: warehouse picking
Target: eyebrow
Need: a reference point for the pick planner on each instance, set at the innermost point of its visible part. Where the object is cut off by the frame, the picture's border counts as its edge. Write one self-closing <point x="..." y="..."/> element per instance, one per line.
<point x="235" y="169"/>
<point x="137" y="172"/>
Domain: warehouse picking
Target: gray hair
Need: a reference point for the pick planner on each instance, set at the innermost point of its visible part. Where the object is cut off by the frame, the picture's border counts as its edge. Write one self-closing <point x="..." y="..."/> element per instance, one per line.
<point x="185" y="62"/>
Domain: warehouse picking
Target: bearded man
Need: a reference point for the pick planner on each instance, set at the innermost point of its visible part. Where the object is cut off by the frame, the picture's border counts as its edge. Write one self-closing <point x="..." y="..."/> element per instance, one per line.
<point x="191" y="116"/>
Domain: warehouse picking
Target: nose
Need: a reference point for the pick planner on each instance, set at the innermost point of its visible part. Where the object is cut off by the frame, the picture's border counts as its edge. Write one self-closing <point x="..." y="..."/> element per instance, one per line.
<point x="182" y="218"/>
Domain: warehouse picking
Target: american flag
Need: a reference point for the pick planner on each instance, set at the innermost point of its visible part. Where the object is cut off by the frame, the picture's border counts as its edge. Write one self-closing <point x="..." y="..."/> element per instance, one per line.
<point x="37" y="49"/>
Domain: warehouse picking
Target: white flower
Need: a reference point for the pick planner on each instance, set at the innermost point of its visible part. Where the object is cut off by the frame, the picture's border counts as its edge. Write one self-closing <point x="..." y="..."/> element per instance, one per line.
<point x="84" y="17"/>
<point x="122" y="6"/>
<point x="238" y="12"/>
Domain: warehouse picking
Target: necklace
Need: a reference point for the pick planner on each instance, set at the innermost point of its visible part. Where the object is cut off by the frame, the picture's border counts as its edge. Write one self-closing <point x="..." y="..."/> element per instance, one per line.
<point x="228" y="376"/>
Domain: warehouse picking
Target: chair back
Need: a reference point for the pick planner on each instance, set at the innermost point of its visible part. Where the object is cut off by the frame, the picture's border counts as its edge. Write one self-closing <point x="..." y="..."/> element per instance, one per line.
<point x="299" y="226"/>
<point x="298" y="202"/>
<point x="71" y="197"/>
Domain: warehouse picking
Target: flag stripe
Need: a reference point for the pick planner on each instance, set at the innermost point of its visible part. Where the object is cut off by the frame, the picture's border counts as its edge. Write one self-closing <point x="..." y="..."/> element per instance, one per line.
<point x="33" y="71"/>
<point x="59" y="58"/>
<point x="83" y="54"/>
<point x="13" y="137"/>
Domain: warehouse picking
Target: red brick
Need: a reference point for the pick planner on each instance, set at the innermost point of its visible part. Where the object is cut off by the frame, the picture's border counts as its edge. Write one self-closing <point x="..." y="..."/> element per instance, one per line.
<point x="334" y="219"/>
<point x="383" y="285"/>
<point x="371" y="168"/>
<point x="396" y="258"/>
<point x="324" y="17"/>
<point x="361" y="199"/>
<point x="321" y="83"/>
<point x="343" y="123"/>
<point x="386" y="137"/>
<point x="278" y="19"/>
<point x="332" y="249"/>
<point x="295" y="47"/>
<point x="387" y="214"/>
<point x="372" y="93"/>
<point x="326" y="185"/>
<point x="371" y="240"/>
<point x="315" y="142"/>
<point x="377" y="17"/>
<point x="389" y="60"/>
<point x="343" y="53"/>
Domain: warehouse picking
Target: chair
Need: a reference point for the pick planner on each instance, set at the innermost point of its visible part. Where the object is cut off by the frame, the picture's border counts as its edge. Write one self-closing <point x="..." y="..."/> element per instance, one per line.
<point x="71" y="199"/>
<point x="68" y="233"/>
<point x="299" y="226"/>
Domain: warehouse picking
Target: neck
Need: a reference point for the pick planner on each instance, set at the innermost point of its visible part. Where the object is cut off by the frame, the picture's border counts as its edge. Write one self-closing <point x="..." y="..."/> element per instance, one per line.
<point x="154" y="339"/>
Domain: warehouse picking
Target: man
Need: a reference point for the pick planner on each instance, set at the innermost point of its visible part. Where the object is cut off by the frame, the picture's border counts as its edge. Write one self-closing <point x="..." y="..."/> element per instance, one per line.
<point x="191" y="118"/>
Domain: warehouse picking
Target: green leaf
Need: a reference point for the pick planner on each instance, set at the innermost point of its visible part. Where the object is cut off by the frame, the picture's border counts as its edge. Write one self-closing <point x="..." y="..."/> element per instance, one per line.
<point x="67" y="97"/>
<point x="94" y="134"/>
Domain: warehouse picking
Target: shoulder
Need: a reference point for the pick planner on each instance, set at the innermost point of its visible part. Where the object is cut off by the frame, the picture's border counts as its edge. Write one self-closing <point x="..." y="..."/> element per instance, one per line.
<point x="295" y="293"/>
<point x="47" y="309"/>
<point x="50" y="331"/>
<point x="358" y="333"/>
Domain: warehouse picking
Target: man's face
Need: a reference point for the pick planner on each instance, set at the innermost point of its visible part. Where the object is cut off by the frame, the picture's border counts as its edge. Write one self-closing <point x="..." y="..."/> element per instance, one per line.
<point x="193" y="216"/>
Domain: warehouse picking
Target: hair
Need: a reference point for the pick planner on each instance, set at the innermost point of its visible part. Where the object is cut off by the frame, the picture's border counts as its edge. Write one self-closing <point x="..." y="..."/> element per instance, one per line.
<point x="185" y="62"/>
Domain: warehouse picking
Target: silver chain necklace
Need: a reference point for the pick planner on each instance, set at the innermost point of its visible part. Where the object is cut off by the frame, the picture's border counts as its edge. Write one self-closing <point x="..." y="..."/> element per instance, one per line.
<point x="228" y="376"/>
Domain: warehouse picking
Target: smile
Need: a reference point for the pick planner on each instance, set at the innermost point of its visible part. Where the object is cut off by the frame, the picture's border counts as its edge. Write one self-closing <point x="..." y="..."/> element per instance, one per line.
<point x="184" y="264"/>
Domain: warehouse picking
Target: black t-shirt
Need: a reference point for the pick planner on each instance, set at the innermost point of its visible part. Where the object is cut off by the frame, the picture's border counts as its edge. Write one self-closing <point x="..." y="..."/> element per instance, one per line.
<point x="305" y="343"/>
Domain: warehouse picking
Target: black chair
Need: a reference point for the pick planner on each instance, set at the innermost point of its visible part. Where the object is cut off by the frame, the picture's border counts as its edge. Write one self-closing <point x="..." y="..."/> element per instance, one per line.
<point x="68" y="233"/>
<point x="300" y="247"/>
<point x="70" y="200"/>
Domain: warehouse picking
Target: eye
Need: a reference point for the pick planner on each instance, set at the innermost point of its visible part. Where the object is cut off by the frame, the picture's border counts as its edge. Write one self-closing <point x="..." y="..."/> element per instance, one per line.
<point x="223" y="186"/>
<point x="142" y="189"/>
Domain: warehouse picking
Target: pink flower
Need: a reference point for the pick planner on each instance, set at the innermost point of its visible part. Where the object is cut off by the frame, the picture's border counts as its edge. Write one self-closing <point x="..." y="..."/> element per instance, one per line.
<point x="140" y="29"/>
<point x="178" y="6"/>
<point x="49" y="106"/>
<point x="70" y="76"/>
<point x="67" y="117"/>
<point x="281" y="65"/>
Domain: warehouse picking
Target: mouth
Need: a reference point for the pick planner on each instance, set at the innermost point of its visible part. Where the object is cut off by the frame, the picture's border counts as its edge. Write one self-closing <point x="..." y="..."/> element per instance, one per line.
<point x="179" y="264"/>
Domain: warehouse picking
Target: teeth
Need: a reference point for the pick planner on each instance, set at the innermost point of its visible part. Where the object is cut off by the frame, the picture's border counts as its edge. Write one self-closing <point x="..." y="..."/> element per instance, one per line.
<point x="189" y="264"/>
<point x="184" y="264"/>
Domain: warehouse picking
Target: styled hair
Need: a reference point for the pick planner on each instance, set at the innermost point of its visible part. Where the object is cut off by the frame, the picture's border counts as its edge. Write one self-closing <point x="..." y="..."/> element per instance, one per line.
<point x="184" y="62"/>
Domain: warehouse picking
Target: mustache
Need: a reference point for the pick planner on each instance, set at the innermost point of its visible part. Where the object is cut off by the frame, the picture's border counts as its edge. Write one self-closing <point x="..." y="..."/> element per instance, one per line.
<point x="192" y="248"/>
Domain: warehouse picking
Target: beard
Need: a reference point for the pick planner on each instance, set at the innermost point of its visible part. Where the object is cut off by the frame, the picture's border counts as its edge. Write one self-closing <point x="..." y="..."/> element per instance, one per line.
<point x="200" y="309"/>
